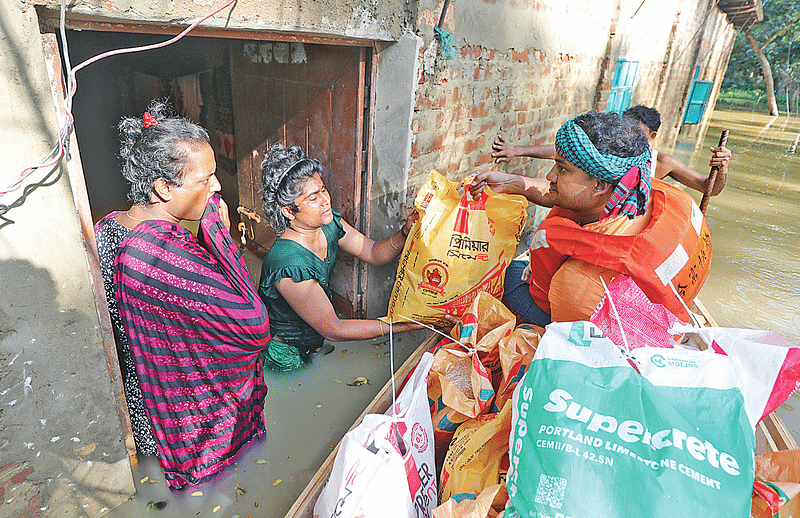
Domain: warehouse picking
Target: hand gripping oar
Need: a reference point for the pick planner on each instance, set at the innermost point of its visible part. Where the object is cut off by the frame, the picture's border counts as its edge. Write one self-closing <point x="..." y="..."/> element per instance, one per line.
<point x="712" y="176"/>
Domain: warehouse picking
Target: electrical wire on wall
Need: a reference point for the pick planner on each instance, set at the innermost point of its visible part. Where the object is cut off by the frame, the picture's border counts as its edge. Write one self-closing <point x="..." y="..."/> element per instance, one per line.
<point x="61" y="149"/>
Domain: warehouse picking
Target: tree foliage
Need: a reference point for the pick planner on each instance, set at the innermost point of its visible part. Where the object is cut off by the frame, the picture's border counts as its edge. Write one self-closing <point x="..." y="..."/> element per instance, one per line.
<point x="778" y="37"/>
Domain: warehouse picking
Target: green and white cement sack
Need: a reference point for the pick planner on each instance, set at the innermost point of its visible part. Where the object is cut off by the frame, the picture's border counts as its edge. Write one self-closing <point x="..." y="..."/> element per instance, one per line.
<point x="594" y="437"/>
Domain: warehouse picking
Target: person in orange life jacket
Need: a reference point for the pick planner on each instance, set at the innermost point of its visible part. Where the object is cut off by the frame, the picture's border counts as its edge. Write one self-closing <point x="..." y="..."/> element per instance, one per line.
<point x="663" y="164"/>
<point x="600" y="191"/>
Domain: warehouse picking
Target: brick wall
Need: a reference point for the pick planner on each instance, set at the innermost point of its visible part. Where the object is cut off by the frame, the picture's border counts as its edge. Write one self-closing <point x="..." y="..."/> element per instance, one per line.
<point x="554" y="60"/>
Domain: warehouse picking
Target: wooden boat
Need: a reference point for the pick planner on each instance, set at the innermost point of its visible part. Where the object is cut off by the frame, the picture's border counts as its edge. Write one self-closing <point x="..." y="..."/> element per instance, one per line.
<point x="771" y="433"/>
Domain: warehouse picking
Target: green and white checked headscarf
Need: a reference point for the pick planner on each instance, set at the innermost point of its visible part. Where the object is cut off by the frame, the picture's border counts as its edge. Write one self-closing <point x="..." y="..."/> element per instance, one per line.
<point x="630" y="176"/>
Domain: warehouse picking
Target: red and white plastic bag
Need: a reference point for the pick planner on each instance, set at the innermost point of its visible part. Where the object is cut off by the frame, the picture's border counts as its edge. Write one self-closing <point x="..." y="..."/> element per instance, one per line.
<point x="385" y="466"/>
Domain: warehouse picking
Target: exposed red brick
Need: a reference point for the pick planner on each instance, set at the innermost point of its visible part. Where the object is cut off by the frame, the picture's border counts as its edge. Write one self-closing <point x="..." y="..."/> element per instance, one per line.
<point x="472" y="145"/>
<point x="462" y="130"/>
<point x="485" y="158"/>
<point x="519" y="56"/>
<point x="473" y="51"/>
<point x="479" y="110"/>
<point x="486" y="126"/>
<point x="503" y="105"/>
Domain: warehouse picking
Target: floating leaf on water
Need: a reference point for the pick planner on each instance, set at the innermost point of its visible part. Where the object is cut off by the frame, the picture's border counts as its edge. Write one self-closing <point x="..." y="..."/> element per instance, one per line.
<point x="86" y="450"/>
<point x="360" y="380"/>
<point x="240" y="490"/>
<point x="150" y="505"/>
<point x="337" y="380"/>
<point x="197" y="493"/>
<point x="277" y="482"/>
<point x="217" y="508"/>
<point x="330" y="445"/>
<point x="152" y="481"/>
<point x="261" y="461"/>
<point x="144" y="480"/>
<point x="235" y="516"/>
<point x="341" y="356"/>
<point x="378" y="346"/>
<point x="319" y="406"/>
<point x="255" y="503"/>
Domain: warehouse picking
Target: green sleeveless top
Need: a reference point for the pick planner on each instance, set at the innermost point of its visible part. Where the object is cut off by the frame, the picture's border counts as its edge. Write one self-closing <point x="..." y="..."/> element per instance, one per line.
<point x="289" y="259"/>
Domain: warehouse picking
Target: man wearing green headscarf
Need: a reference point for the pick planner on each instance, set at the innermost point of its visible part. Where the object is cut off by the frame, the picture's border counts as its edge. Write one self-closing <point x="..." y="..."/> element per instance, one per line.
<point x="602" y="224"/>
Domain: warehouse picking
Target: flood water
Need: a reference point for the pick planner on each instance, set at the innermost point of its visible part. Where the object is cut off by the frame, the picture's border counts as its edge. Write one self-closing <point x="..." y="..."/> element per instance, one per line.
<point x="755" y="273"/>
<point x="307" y="413"/>
<point x="754" y="283"/>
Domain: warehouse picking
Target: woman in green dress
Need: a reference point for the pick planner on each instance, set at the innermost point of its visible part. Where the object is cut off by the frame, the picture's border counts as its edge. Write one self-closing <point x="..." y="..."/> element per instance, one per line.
<point x="296" y="272"/>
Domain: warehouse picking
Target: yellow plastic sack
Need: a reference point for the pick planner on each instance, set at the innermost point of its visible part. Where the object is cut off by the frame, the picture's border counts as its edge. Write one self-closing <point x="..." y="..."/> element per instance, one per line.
<point x="478" y="455"/>
<point x="489" y="503"/>
<point x="458" y="248"/>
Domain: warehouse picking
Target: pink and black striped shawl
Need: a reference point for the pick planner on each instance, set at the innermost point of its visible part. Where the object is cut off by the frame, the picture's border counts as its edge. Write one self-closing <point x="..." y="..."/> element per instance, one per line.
<point x="196" y="326"/>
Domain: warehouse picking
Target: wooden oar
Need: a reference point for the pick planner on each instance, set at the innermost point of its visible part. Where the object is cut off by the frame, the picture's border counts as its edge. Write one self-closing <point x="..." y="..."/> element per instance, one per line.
<point x="712" y="176"/>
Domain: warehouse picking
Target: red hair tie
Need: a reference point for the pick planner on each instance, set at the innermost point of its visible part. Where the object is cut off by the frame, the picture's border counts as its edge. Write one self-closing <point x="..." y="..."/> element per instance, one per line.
<point x="148" y="121"/>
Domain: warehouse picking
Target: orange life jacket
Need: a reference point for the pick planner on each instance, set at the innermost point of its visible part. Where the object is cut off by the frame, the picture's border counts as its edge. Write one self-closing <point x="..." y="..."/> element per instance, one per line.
<point x="674" y="246"/>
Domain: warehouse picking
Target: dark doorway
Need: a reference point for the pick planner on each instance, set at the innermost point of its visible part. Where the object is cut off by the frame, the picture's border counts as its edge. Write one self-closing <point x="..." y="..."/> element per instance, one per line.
<point x="248" y="94"/>
<point x="315" y="96"/>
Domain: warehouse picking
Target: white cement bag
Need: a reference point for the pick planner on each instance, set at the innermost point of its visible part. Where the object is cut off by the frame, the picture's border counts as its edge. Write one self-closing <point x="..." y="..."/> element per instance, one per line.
<point x="375" y="474"/>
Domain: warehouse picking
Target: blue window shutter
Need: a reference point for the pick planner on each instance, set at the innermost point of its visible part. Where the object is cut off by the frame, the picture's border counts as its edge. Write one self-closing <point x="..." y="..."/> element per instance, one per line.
<point x="698" y="99"/>
<point x="619" y="97"/>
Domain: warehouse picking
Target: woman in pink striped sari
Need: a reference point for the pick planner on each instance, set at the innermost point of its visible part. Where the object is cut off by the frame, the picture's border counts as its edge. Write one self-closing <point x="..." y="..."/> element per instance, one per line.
<point x="194" y="321"/>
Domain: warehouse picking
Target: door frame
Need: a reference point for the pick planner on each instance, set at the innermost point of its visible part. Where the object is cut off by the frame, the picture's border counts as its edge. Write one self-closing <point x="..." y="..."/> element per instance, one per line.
<point x="49" y="27"/>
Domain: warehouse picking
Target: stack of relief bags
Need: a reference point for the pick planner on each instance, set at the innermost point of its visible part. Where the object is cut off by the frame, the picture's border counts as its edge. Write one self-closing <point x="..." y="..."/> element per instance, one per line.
<point x="470" y="385"/>
<point x="717" y="392"/>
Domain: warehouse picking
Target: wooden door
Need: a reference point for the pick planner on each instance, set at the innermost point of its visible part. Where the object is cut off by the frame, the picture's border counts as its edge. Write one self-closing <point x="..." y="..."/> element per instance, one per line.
<point x="314" y="96"/>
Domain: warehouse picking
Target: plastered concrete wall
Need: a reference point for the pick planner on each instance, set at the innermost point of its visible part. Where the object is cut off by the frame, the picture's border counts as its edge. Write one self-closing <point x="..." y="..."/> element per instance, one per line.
<point x="395" y="78"/>
<point x="378" y="20"/>
<point x="522" y="68"/>
<point x="61" y="448"/>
